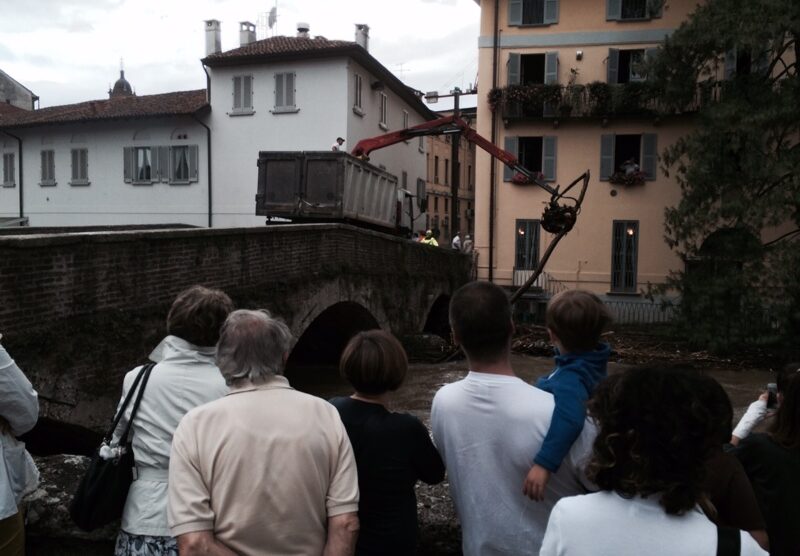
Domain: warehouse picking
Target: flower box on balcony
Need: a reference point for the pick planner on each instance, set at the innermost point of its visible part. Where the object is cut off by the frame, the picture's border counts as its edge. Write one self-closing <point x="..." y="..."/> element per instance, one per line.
<point x="623" y="178"/>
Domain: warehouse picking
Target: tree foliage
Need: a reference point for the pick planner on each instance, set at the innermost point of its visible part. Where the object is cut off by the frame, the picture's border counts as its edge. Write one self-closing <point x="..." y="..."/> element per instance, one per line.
<point x="738" y="169"/>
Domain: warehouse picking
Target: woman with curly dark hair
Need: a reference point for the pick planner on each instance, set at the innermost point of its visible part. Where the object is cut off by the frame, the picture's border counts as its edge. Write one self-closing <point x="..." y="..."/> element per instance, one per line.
<point x="653" y="439"/>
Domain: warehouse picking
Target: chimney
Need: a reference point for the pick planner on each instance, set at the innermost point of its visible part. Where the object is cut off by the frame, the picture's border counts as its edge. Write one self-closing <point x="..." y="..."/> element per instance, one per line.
<point x="213" y="33"/>
<point x="362" y="35"/>
<point x="247" y="33"/>
<point x="302" y="30"/>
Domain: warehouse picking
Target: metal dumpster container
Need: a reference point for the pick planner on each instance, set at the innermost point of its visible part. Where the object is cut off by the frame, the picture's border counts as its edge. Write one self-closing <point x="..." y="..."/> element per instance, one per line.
<point x="325" y="186"/>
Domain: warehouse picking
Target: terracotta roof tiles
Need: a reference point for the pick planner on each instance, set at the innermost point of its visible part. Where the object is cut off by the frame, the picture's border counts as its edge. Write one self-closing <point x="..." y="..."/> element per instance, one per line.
<point x="280" y="46"/>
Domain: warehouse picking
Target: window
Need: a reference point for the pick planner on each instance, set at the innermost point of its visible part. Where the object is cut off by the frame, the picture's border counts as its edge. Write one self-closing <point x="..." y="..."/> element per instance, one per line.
<point x="624" y="66"/>
<point x="532" y="69"/>
<point x="9" y="173"/>
<point x="446" y="205"/>
<point x="284" y="93"/>
<point x="243" y="94"/>
<point x="469" y="177"/>
<point x="357" y="94"/>
<point x="446" y="171"/>
<point x="628" y="153"/>
<point x="436" y="204"/>
<point x="527" y="245"/>
<point x="384" y="111"/>
<point x="537" y="154"/>
<point x="532" y="12"/>
<point x="143" y="170"/>
<point x="739" y="61"/>
<point x="435" y="169"/>
<point x="80" y="167"/>
<point x="148" y="164"/>
<point x="48" y="168"/>
<point x="624" y="251"/>
<point x="179" y="165"/>
<point x="421" y="145"/>
<point x="622" y="10"/>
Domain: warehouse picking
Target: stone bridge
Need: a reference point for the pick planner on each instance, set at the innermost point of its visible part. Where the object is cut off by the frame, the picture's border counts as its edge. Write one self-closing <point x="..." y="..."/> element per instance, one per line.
<point x="78" y="310"/>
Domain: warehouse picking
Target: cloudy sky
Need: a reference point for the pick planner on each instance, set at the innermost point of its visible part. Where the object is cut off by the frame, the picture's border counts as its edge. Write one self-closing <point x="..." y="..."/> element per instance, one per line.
<point x="69" y="51"/>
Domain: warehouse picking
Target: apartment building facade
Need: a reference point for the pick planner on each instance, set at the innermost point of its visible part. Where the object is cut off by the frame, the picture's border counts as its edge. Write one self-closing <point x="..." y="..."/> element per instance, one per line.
<point x="559" y="84"/>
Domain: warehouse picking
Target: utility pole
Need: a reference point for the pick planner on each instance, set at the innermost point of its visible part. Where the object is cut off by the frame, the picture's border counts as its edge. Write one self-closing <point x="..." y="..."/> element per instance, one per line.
<point x="455" y="170"/>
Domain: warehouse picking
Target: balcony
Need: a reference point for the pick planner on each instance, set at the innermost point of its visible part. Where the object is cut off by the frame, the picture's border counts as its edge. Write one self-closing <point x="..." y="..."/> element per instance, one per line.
<point x="595" y="100"/>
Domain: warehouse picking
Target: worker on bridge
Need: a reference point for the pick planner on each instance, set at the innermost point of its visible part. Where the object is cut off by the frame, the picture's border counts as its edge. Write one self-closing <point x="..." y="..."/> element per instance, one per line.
<point x="429" y="239"/>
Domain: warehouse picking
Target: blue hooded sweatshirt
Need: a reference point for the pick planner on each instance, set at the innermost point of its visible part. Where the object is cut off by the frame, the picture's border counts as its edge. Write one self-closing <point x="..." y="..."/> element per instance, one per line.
<point x="572" y="382"/>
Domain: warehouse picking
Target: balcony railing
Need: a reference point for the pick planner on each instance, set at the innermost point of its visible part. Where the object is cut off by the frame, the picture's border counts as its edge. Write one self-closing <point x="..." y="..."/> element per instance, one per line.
<point x="595" y="100"/>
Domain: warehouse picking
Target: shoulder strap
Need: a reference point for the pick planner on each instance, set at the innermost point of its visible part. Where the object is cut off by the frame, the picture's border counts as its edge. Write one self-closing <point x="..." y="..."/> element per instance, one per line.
<point x="144" y="374"/>
<point x="729" y="541"/>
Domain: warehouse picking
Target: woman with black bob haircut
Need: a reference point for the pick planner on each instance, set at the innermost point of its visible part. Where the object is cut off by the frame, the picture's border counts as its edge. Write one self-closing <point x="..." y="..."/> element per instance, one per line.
<point x="392" y="450"/>
<point x="653" y="439"/>
<point x="772" y="462"/>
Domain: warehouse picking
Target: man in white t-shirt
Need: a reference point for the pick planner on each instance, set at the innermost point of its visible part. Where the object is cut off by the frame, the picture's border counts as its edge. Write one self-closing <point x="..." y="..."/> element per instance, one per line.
<point x="337" y="146"/>
<point x="489" y="426"/>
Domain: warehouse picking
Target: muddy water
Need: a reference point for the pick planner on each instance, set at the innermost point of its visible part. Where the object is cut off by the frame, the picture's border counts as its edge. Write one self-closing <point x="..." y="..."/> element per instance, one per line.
<point x="439" y="529"/>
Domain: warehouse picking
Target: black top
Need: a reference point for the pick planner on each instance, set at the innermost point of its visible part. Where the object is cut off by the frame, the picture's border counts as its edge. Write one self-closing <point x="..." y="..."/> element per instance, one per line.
<point x="732" y="494"/>
<point x="393" y="451"/>
<point x="774" y="472"/>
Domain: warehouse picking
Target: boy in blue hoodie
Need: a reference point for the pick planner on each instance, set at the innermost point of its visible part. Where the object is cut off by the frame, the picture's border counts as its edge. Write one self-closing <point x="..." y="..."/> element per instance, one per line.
<point x="575" y="320"/>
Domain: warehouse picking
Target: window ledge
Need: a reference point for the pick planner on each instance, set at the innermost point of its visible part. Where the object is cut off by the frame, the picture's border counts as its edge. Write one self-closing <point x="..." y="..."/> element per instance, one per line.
<point x="526" y="25"/>
<point x="285" y="110"/>
<point x="9" y="185"/>
<point x="358" y="111"/>
<point x="142" y="183"/>
<point x="242" y="113"/>
<point x="180" y="182"/>
<point x="47" y="183"/>
<point x="383" y="126"/>
<point x="80" y="182"/>
<point x="624" y="294"/>
<point x="631" y="19"/>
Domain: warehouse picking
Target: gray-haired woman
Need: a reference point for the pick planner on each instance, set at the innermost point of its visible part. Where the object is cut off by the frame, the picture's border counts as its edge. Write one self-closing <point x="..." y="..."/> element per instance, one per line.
<point x="184" y="377"/>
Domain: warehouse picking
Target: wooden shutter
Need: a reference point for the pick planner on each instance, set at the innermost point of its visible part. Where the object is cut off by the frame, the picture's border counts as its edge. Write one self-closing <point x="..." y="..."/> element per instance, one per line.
<point x="606" y="156"/>
<point x="127" y="162"/>
<point x="51" y="166"/>
<point x="75" y="168"/>
<point x="193" y="163"/>
<point x="161" y="171"/>
<point x="655" y="8"/>
<point x="237" y="93"/>
<point x="730" y="63"/>
<point x="514" y="64"/>
<point x="247" y="92"/>
<point x="549" y="157"/>
<point x="613" y="10"/>
<point x="551" y="68"/>
<point x="512" y="146"/>
<point x="45" y="177"/>
<point x="550" y="11"/>
<point x="290" y="89"/>
<point x="515" y="12"/>
<point x="84" y="156"/>
<point x="649" y="155"/>
<point x="612" y="67"/>
<point x="279" y="90"/>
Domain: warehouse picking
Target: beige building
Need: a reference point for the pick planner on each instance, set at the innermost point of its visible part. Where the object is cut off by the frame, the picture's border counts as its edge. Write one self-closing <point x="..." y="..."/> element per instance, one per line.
<point x="567" y="74"/>
<point x="439" y="184"/>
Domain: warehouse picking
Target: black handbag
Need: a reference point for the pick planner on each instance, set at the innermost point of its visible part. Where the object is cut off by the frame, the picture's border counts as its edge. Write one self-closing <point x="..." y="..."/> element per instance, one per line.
<point x="101" y="496"/>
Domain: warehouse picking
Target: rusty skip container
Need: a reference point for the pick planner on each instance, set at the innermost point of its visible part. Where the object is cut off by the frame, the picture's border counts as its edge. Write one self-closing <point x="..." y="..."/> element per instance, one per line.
<point x="325" y="186"/>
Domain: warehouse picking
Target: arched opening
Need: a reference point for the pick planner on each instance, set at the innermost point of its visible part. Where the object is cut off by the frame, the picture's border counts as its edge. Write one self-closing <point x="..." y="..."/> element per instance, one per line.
<point x="51" y="437"/>
<point x="313" y="364"/>
<point x="438" y="321"/>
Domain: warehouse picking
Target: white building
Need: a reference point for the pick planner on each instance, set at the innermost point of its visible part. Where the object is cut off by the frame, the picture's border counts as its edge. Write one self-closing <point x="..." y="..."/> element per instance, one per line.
<point x="190" y="157"/>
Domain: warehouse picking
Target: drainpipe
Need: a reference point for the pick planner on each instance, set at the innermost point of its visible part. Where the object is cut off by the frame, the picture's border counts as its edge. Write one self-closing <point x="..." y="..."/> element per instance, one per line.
<point x="19" y="140"/>
<point x="208" y="159"/>
<point x="493" y="162"/>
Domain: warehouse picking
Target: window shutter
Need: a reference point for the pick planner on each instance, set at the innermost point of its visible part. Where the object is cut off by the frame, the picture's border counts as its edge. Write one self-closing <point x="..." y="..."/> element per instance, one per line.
<point x="549" y="158"/>
<point x="247" y="92"/>
<point x="75" y="165"/>
<point x="612" y="67"/>
<point x="51" y="166"/>
<point x="278" y="90"/>
<point x="127" y="156"/>
<point x="84" y="164"/>
<point x="655" y="8"/>
<point x="512" y="146"/>
<point x="513" y="69"/>
<point x="161" y="169"/>
<point x="551" y="68"/>
<point x="550" y="11"/>
<point x="760" y="63"/>
<point x="45" y="177"/>
<point x="515" y="12"/>
<point x="649" y="155"/>
<point x="613" y="10"/>
<point x="730" y="63"/>
<point x="290" y="89"/>
<point x="193" y="160"/>
<point x="237" y="93"/>
<point x="606" y="156"/>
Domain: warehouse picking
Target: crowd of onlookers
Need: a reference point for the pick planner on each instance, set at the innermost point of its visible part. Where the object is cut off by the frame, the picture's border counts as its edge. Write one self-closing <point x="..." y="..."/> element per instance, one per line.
<point x="230" y="459"/>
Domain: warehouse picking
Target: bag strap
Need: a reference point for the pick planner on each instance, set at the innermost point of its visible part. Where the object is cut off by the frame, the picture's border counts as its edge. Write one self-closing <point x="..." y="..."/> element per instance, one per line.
<point x="144" y="372"/>
<point x="729" y="541"/>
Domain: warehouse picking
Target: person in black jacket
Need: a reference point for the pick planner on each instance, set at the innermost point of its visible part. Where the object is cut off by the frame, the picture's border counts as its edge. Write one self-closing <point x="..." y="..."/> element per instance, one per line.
<point x="392" y="450"/>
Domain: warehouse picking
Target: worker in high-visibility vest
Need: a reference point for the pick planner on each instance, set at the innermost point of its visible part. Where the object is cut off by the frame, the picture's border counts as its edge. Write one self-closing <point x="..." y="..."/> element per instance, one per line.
<point x="429" y="239"/>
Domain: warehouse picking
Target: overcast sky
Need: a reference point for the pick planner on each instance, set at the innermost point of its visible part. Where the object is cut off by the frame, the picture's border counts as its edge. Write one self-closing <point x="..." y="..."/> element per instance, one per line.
<point x="69" y="51"/>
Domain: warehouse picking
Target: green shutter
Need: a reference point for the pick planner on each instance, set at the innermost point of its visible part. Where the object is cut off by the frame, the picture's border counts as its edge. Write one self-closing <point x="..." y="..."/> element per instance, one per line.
<point x="161" y="171"/>
<point x="606" y="156"/>
<point x="512" y="146"/>
<point x="649" y="155"/>
<point x="75" y="164"/>
<point x="549" y="158"/>
<point x="513" y="65"/>
<point x="550" y="11"/>
<point x="237" y="93"/>
<point x="247" y="92"/>
<point x="290" y="89"/>
<point x="193" y="163"/>
<point x="278" y="90"/>
<point x="613" y="10"/>
<point x="551" y="68"/>
<point x="45" y="178"/>
<point x="515" y="12"/>
<point x="612" y="67"/>
<point x="127" y="163"/>
<point x="84" y="164"/>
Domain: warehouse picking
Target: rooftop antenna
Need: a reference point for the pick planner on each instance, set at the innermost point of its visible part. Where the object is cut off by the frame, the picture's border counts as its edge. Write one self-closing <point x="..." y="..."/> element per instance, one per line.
<point x="402" y="70"/>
